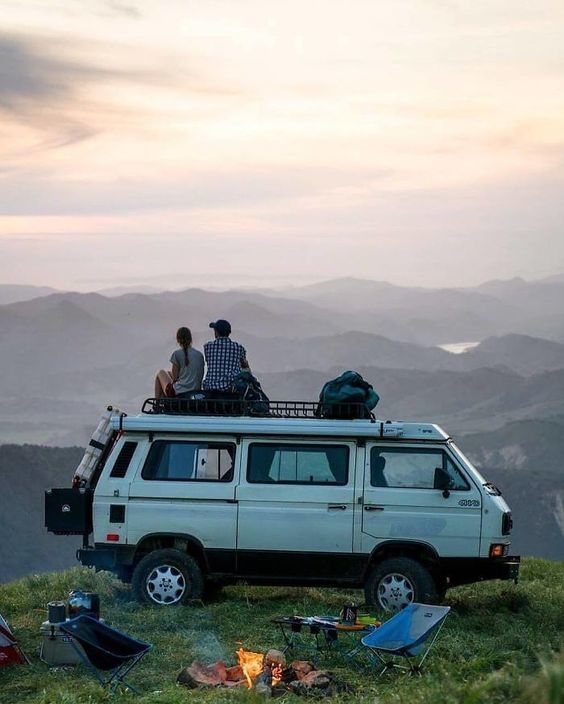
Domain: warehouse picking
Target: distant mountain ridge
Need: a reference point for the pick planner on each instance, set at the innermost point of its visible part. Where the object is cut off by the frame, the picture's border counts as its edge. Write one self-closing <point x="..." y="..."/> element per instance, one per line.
<point x="14" y="293"/>
<point x="409" y="314"/>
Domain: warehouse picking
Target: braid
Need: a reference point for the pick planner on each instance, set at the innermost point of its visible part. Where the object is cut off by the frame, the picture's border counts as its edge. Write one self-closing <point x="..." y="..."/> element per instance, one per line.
<point x="184" y="339"/>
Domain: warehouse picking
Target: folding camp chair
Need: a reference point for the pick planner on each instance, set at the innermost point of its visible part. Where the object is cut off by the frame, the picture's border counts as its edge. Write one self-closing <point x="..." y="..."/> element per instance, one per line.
<point x="406" y="635"/>
<point x="105" y="649"/>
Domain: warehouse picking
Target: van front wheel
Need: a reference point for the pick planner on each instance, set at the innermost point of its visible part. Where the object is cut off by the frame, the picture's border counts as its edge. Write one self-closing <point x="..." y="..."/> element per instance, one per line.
<point x="397" y="582"/>
<point x="166" y="578"/>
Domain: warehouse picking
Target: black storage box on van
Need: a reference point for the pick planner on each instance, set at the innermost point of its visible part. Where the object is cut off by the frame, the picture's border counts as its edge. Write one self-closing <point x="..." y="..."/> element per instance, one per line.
<point x="68" y="511"/>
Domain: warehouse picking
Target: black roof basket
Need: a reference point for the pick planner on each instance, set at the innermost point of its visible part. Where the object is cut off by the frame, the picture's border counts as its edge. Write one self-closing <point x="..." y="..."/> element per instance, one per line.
<point x="265" y="409"/>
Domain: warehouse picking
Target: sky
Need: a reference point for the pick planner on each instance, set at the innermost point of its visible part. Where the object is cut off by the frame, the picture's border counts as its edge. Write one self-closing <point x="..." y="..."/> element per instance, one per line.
<point x="254" y="142"/>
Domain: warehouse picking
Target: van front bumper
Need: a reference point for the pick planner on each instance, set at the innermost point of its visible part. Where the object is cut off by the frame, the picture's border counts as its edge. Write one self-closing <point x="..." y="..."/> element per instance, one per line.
<point x="468" y="570"/>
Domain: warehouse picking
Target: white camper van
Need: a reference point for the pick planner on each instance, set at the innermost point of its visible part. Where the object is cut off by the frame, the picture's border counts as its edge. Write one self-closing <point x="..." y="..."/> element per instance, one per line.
<point x="180" y="500"/>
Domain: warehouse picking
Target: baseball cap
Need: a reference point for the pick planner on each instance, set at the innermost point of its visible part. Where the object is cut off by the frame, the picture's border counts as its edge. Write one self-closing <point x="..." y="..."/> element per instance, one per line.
<point x="222" y="327"/>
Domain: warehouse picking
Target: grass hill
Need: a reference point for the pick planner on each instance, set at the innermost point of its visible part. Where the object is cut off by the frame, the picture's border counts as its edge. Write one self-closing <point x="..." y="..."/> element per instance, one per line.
<point x="500" y="643"/>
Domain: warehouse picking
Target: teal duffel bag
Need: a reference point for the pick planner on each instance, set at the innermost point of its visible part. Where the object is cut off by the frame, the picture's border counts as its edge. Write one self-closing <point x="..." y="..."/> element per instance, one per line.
<point x="347" y="396"/>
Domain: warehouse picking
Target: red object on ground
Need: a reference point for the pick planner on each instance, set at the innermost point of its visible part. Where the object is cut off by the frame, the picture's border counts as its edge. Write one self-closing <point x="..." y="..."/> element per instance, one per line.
<point x="10" y="651"/>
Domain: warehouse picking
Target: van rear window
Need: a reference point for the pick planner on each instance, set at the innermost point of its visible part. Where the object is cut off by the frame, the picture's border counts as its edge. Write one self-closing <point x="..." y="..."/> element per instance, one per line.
<point x="298" y="464"/>
<point x="189" y="461"/>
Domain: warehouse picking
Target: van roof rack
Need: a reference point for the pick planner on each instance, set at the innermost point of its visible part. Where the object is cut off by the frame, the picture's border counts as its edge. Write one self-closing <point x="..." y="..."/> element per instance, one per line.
<point x="264" y="409"/>
<point x="291" y="418"/>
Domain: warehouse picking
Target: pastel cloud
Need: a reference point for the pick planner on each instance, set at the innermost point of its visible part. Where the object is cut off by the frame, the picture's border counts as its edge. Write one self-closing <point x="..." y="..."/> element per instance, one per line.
<point x="251" y="119"/>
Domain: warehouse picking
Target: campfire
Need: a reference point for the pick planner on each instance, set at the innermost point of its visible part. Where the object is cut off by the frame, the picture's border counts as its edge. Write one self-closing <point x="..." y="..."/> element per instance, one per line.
<point x="253" y="664"/>
<point x="269" y="674"/>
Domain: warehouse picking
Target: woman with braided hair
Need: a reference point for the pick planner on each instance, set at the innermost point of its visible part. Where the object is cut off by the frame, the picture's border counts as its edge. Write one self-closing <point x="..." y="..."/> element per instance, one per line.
<point x="187" y="369"/>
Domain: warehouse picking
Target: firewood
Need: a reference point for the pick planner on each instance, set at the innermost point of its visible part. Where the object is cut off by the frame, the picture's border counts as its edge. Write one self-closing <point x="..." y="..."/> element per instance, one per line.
<point x="317" y="678"/>
<point x="315" y="682"/>
<point x="235" y="674"/>
<point x="288" y="675"/>
<point x="199" y="675"/>
<point x="302" y="667"/>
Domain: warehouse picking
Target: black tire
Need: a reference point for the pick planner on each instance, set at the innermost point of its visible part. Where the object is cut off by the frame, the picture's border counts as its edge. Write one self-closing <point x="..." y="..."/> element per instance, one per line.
<point x="397" y="581"/>
<point x="167" y="577"/>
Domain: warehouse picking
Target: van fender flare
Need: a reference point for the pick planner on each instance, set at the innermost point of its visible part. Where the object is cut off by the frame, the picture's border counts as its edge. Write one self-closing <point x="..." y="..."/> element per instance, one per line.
<point x="179" y="541"/>
<point x="416" y="549"/>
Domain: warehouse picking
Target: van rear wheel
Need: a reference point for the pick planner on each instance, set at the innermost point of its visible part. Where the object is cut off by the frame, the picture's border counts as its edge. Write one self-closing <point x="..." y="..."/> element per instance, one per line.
<point x="167" y="577"/>
<point x="399" y="581"/>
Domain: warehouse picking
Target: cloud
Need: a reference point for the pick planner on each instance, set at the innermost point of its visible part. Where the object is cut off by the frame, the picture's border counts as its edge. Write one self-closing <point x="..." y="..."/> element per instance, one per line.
<point x="24" y="75"/>
<point x="52" y="87"/>
<point x="189" y="189"/>
<point x="117" y="7"/>
<point x="37" y="91"/>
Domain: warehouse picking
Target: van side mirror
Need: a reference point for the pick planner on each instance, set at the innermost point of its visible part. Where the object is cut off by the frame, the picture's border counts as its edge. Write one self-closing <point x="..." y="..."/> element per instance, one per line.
<point x="443" y="481"/>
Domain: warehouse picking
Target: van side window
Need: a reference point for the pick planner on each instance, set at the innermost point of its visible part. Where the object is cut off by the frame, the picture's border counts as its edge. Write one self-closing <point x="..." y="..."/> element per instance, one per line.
<point x="189" y="461"/>
<point x="123" y="460"/>
<point x="298" y="464"/>
<point x="414" y="468"/>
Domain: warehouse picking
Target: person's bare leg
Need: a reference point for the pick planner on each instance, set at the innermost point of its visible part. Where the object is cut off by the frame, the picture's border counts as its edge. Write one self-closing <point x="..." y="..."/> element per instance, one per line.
<point x="162" y="379"/>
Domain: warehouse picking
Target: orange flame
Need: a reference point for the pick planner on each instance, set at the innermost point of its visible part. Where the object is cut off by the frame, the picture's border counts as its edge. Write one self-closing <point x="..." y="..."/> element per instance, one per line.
<point x="251" y="664"/>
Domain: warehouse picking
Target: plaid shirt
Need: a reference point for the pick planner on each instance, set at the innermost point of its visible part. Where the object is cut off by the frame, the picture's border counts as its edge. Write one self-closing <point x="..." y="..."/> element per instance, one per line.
<point x="223" y="357"/>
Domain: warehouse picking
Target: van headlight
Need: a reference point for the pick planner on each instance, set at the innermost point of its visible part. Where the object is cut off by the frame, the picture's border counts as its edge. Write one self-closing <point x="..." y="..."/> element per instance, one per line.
<point x="506" y="523"/>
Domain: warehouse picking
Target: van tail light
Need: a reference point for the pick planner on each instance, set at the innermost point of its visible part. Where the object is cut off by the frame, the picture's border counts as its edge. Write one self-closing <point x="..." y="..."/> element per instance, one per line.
<point x="112" y="538"/>
<point x="506" y="523"/>
<point x="498" y="549"/>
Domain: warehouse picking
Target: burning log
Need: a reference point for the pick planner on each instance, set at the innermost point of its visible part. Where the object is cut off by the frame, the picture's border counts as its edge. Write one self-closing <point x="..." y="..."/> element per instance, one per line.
<point x="235" y="673"/>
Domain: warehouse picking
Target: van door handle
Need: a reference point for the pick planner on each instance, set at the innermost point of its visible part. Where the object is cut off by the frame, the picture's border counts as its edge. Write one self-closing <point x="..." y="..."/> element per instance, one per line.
<point x="371" y="507"/>
<point x="337" y="507"/>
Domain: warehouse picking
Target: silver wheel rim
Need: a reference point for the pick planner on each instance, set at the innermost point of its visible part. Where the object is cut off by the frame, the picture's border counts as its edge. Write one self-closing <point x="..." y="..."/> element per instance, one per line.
<point x="165" y="584"/>
<point x="395" y="592"/>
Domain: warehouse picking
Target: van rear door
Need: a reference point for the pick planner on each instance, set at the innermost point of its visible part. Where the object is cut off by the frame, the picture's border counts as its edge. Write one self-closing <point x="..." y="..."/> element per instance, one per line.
<point x="419" y="493"/>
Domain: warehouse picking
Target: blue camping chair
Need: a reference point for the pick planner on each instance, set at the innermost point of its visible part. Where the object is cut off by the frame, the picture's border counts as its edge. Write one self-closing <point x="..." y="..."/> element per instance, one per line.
<point x="104" y="649"/>
<point x="406" y="635"/>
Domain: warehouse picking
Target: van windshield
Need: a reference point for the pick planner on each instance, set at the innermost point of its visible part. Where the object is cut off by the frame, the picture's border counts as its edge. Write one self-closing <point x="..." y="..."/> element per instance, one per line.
<point x="466" y="462"/>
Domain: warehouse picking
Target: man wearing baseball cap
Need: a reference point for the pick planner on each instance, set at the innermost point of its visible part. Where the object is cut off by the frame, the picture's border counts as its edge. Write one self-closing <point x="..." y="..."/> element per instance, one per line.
<point x="225" y="358"/>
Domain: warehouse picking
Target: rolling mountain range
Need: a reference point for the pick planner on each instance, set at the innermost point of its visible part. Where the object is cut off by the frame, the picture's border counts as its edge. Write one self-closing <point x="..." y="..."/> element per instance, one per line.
<point x="65" y="356"/>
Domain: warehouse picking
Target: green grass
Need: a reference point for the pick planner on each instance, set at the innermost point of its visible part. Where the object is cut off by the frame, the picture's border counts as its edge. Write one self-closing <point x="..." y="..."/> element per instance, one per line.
<point x="501" y="643"/>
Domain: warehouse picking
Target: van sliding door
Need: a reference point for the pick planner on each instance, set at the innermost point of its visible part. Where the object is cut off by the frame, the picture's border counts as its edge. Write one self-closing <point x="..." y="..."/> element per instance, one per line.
<point x="296" y="510"/>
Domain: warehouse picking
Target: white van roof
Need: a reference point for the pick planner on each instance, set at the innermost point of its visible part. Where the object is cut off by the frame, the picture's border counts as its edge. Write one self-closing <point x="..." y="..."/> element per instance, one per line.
<point x="245" y="425"/>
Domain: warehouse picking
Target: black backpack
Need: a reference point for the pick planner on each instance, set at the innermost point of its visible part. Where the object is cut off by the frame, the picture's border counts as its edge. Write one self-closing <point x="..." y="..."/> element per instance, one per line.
<point x="248" y="388"/>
